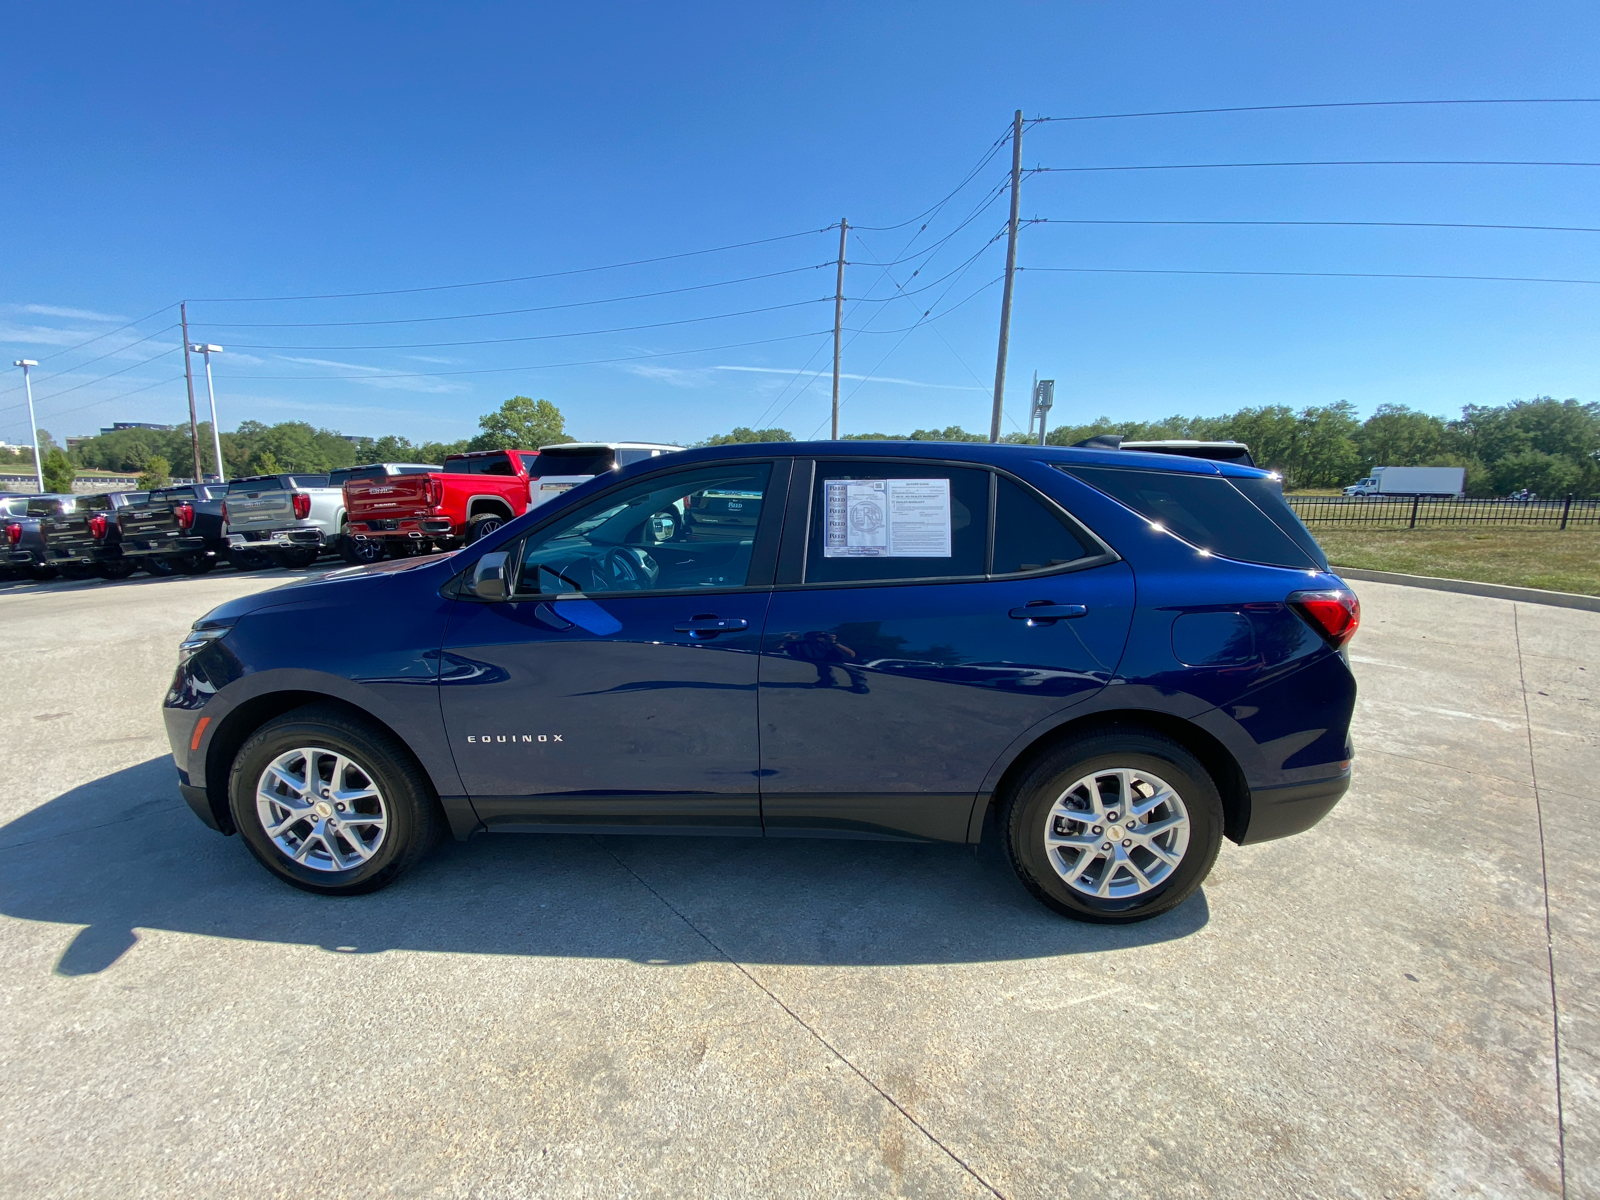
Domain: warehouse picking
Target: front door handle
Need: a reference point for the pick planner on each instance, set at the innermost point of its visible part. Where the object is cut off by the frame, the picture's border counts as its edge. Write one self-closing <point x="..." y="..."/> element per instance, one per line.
<point x="1046" y="612"/>
<point x="706" y="626"/>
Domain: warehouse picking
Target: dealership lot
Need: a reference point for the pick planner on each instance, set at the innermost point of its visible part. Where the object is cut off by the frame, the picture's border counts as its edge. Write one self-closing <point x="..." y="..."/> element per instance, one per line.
<point x="1365" y="1010"/>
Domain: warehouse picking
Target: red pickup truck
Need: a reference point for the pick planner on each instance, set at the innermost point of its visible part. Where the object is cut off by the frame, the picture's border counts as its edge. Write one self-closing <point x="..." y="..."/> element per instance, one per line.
<point x="474" y="494"/>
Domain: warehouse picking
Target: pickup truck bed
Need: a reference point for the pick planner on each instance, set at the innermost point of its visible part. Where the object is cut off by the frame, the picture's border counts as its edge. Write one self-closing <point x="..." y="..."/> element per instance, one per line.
<point x="474" y="494"/>
<point x="287" y="518"/>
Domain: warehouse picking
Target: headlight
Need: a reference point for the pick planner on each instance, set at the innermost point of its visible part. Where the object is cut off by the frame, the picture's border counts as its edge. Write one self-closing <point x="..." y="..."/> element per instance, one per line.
<point x="205" y="631"/>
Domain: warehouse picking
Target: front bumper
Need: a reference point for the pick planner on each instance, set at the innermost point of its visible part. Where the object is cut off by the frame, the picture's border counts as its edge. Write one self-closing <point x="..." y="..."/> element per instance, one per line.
<point x="276" y="539"/>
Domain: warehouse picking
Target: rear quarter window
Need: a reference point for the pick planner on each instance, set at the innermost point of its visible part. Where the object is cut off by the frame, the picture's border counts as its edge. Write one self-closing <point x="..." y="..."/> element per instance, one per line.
<point x="1206" y="511"/>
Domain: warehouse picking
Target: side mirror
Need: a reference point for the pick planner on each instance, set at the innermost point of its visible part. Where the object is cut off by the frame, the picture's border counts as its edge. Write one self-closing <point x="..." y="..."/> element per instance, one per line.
<point x="489" y="576"/>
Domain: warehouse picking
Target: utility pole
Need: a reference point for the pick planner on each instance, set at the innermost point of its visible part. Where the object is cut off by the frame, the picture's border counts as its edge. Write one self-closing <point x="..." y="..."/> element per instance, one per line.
<point x="207" y="349"/>
<point x="838" y="323"/>
<point x="1011" y="271"/>
<point x="27" y="364"/>
<point x="189" y="378"/>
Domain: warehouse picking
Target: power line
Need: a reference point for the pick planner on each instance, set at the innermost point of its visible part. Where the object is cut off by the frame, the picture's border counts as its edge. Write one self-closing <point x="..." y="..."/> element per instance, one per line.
<point x="930" y="320"/>
<point x="533" y="367"/>
<point x="109" y="399"/>
<point x="509" y="312"/>
<point x="112" y="375"/>
<point x="107" y="333"/>
<point x="994" y="148"/>
<point x="1187" y="112"/>
<point x="1340" y="224"/>
<point x="1305" y="274"/>
<point x="541" y="337"/>
<point x="1382" y="162"/>
<point x="445" y="287"/>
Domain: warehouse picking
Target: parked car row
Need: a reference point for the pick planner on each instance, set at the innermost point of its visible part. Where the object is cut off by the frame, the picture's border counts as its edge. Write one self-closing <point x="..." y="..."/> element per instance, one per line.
<point x="364" y="514"/>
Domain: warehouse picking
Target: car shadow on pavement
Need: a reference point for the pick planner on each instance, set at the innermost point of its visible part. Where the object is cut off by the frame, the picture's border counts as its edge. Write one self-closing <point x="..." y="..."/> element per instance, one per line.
<point x="124" y="853"/>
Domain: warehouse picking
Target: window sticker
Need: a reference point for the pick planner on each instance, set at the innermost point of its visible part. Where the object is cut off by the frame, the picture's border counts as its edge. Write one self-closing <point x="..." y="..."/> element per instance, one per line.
<point x="886" y="518"/>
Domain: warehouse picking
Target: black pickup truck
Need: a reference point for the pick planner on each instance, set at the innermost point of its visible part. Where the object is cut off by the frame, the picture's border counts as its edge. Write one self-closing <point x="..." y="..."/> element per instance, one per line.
<point x="85" y="540"/>
<point x="22" y="550"/>
<point x="175" y="529"/>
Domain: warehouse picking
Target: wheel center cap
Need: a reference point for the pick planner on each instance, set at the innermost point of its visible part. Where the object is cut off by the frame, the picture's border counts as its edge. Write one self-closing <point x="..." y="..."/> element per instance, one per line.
<point x="324" y="809"/>
<point x="1114" y="832"/>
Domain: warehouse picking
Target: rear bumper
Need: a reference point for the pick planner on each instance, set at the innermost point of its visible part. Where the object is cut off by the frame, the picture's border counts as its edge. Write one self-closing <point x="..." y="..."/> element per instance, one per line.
<point x="1284" y="811"/>
<point x="279" y="539"/>
<point x="143" y="547"/>
<point x="404" y="527"/>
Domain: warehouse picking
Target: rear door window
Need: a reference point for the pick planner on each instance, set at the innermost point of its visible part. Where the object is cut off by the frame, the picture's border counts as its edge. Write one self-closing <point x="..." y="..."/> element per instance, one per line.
<point x="890" y="521"/>
<point x="1029" y="535"/>
<point x="1204" y="510"/>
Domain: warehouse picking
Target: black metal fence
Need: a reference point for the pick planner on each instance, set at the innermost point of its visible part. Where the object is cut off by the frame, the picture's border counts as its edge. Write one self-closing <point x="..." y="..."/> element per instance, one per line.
<point x="1413" y="512"/>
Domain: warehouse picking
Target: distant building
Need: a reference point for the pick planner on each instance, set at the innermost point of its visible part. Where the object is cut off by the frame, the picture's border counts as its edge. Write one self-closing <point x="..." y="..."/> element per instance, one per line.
<point x="120" y="425"/>
<point x="354" y="439"/>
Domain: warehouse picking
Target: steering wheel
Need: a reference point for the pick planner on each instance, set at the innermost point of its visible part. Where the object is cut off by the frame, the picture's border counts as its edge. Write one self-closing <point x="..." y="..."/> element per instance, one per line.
<point x="626" y="570"/>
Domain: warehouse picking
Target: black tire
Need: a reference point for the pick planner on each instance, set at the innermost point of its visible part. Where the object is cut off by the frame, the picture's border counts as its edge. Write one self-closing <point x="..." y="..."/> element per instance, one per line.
<point x="415" y="821"/>
<point x="405" y="548"/>
<point x="363" y="552"/>
<point x="248" y="560"/>
<point x="196" y="562"/>
<point x="76" y="570"/>
<point x="155" y="564"/>
<point x="116" y="568"/>
<point x="297" y="558"/>
<point x="40" y="573"/>
<point x="1027" y="814"/>
<point x="482" y="525"/>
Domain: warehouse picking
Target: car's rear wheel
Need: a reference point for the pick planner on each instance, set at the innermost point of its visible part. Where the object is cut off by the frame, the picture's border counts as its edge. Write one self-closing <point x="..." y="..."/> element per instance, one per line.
<point x="331" y="803"/>
<point x="39" y="573"/>
<point x="155" y="564"/>
<point x="76" y="570"/>
<point x="360" y="552"/>
<point x="248" y="560"/>
<point x="1115" y="827"/>
<point x="195" y="562"/>
<point x="482" y="525"/>
<point x="116" y="568"/>
<point x="297" y="557"/>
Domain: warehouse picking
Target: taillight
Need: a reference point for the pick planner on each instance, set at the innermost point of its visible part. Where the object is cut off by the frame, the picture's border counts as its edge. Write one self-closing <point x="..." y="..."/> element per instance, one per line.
<point x="13" y="533"/>
<point x="97" y="526"/>
<point x="185" y="515"/>
<point x="1336" y="615"/>
<point x="224" y="512"/>
<point x="302" y="506"/>
<point x="433" y="493"/>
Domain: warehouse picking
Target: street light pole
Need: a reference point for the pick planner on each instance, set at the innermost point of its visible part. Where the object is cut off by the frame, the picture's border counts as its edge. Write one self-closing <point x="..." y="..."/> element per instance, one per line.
<point x="33" y="422"/>
<point x="211" y="394"/>
<point x="188" y="379"/>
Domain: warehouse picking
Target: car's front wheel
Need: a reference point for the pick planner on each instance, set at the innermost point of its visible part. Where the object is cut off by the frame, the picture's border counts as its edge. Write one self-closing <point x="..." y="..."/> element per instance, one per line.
<point x="1115" y="827"/>
<point x="296" y="558"/>
<point x="331" y="803"/>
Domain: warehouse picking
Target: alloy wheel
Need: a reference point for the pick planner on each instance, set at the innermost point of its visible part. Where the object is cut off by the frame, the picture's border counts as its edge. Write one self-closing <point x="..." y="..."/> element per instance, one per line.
<point x="1117" y="833"/>
<point x="321" y="808"/>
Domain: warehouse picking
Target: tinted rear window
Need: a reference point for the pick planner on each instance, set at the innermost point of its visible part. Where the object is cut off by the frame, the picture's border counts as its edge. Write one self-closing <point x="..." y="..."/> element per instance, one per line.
<point x="1267" y="495"/>
<point x="1027" y="535"/>
<point x="1204" y="510"/>
<point x="557" y="461"/>
<point x="270" y="484"/>
<point x="489" y="464"/>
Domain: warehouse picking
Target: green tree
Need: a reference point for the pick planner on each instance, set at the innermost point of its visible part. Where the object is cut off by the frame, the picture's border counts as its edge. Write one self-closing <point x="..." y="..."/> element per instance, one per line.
<point x="521" y="423"/>
<point x="58" y="470"/>
<point x="742" y="435"/>
<point x="265" y="462"/>
<point x="157" y="474"/>
<point x="1397" y="436"/>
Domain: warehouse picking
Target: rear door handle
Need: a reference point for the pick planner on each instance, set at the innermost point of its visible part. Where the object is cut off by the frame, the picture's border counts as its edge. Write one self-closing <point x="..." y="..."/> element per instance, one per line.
<point x="1045" y="612"/>
<point x="709" y="627"/>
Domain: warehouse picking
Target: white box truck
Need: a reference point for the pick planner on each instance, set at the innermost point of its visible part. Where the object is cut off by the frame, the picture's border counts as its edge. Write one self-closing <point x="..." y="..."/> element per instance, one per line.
<point x="1411" y="481"/>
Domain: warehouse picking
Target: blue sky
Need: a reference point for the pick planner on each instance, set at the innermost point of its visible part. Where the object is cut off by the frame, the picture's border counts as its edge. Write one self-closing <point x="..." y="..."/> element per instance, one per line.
<point x="221" y="152"/>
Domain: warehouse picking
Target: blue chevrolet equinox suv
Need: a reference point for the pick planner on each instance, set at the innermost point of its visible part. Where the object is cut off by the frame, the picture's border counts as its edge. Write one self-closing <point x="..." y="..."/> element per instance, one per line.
<point x="1124" y="657"/>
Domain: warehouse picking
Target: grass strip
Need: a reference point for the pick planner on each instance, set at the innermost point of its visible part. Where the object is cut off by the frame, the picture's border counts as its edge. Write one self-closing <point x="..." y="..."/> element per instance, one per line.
<point x="1523" y="556"/>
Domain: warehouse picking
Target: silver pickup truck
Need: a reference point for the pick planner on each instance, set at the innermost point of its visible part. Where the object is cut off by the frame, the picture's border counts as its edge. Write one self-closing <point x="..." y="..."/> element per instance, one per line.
<point x="286" y="519"/>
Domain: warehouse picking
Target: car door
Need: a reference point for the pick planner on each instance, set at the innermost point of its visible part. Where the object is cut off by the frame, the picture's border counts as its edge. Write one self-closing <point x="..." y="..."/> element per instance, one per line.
<point x="927" y="614"/>
<point x="616" y="687"/>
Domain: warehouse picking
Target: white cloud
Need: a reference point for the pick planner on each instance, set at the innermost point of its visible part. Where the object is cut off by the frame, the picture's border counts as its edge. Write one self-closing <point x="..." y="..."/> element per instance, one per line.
<point x="41" y="335"/>
<point x="379" y="377"/>
<point x="74" y="314"/>
<point x="423" y="358"/>
<point x="676" y="376"/>
<point x="954" y="387"/>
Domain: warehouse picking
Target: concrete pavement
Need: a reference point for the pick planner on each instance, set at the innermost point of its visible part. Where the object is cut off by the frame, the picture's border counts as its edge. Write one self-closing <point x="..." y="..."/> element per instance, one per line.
<point x="1366" y="1010"/>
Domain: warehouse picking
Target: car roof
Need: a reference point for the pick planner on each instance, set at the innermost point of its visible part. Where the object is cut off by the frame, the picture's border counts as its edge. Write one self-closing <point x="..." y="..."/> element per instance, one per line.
<point x="1000" y="455"/>
<point x="609" y="446"/>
